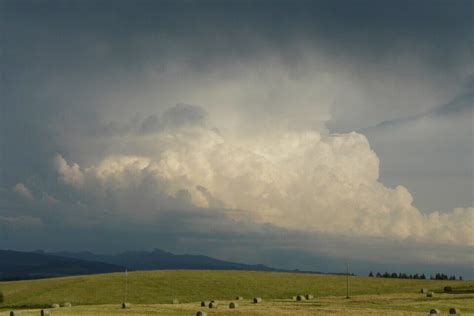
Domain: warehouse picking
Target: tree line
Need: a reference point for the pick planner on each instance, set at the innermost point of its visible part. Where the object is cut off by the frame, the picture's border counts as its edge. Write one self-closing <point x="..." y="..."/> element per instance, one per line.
<point x="437" y="276"/>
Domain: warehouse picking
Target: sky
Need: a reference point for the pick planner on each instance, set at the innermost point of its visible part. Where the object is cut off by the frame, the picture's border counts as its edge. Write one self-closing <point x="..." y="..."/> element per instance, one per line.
<point x="298" y="134"/>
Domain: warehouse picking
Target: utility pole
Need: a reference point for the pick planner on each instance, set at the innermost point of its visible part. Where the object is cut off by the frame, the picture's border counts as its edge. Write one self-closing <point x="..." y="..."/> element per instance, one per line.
<point x="126" y="286"/>
<point x="347" y="280"/>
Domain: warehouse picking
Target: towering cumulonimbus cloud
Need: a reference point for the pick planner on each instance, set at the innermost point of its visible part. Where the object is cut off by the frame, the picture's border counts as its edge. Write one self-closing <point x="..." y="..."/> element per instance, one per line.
<point x="305" y="181"/>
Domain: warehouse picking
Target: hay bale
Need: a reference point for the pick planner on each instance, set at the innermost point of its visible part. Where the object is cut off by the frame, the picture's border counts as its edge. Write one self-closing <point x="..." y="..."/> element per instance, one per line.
<point x="448" y="289"/>
<point x="204" y="303"/>
<point x="294" y="298"/>
<point x="12" y="313"/>
<point x="175" y="301"/>
<point x="233" y="305"/>
<point x="67" y="304"/>
<point x="429" y="294"/>
<point x="54" y="305"/>
<point x="125" y="305"/>
<point x="424" y="291"/>
<point x="239" y="298"/>
<point x="434" y="311"/>
<point x="309" y="296"/>
<point x="44" y="312"/>
<point x="213" y="304"/>
<point x="454" y="311"/>
<point x="257" y="300"/>
<point x="300" y="298"/>
<point x="200" y="313"/>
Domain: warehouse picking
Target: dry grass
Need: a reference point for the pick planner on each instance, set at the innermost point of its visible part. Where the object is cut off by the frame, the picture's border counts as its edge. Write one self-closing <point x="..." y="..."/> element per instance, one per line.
<point x="150" y="294"/>
<point x="390" y="305"/>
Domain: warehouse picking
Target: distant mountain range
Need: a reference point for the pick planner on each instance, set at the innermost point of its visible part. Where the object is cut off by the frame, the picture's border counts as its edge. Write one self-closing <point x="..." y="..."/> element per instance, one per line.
<point x="159" y="259"/>
<point x="15" y="265"/>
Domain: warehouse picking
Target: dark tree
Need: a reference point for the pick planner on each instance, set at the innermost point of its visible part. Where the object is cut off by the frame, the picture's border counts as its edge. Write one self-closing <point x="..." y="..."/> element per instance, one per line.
<point x="378" y="275"/>
<point x="2" y="298"/>
<point x="423" y="277"/>
<point x="371" y="274"/>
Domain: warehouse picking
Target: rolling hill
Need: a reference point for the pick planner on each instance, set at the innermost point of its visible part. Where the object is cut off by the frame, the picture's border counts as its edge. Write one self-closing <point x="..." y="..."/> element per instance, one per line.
<point x="151" y="292"/>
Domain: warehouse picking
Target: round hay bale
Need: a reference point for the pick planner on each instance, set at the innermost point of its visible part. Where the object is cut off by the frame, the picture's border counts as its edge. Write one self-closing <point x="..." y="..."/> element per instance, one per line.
<point x="125" y="305"/>
<point x="44" y="312"/>
<point x="257" y="300"/>
<point x="294" y="298"/>
<point x="454" y="311"/>
<point x="67" y="304"/>
<point x="300" y="298"/>
<point x="239" y="298"/>
<point x="448" y="289"/>
<point x="12" y="313"/>
<point x="429" y="294"/>
<point x="213" y="304"/>
<point x="55" y="305"/>
<point x="309" y="296"/>
<point x="200" y="313"/>
<point x="434" y="311"/>
<point x="233" y="305"/>
<point x="204" y="303"/>
<point x="424" y="291"/>
<point x="175" y="301"/>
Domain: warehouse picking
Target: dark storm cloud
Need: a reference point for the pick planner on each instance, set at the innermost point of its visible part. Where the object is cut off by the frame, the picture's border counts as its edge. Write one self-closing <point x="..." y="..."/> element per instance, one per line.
<point x="210" y="231"/>
<point x="59" y="58"/>
<point x="461" y="105"/>
<point x="176" y="116"/>
<point x="81" y="46"/>
<point x="86" y="35"/>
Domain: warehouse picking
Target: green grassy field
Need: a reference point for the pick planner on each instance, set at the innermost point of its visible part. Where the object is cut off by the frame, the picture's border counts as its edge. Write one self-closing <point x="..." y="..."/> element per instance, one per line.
<point x="152" y="292"/>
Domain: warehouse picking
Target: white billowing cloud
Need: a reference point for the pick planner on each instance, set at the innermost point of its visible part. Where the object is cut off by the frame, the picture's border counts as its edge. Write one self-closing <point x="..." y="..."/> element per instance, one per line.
<point x="302" y="181"/>
<point x="69" y="174"/>
<point x="23" y="191"/>
<point x="455" y="226"/>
